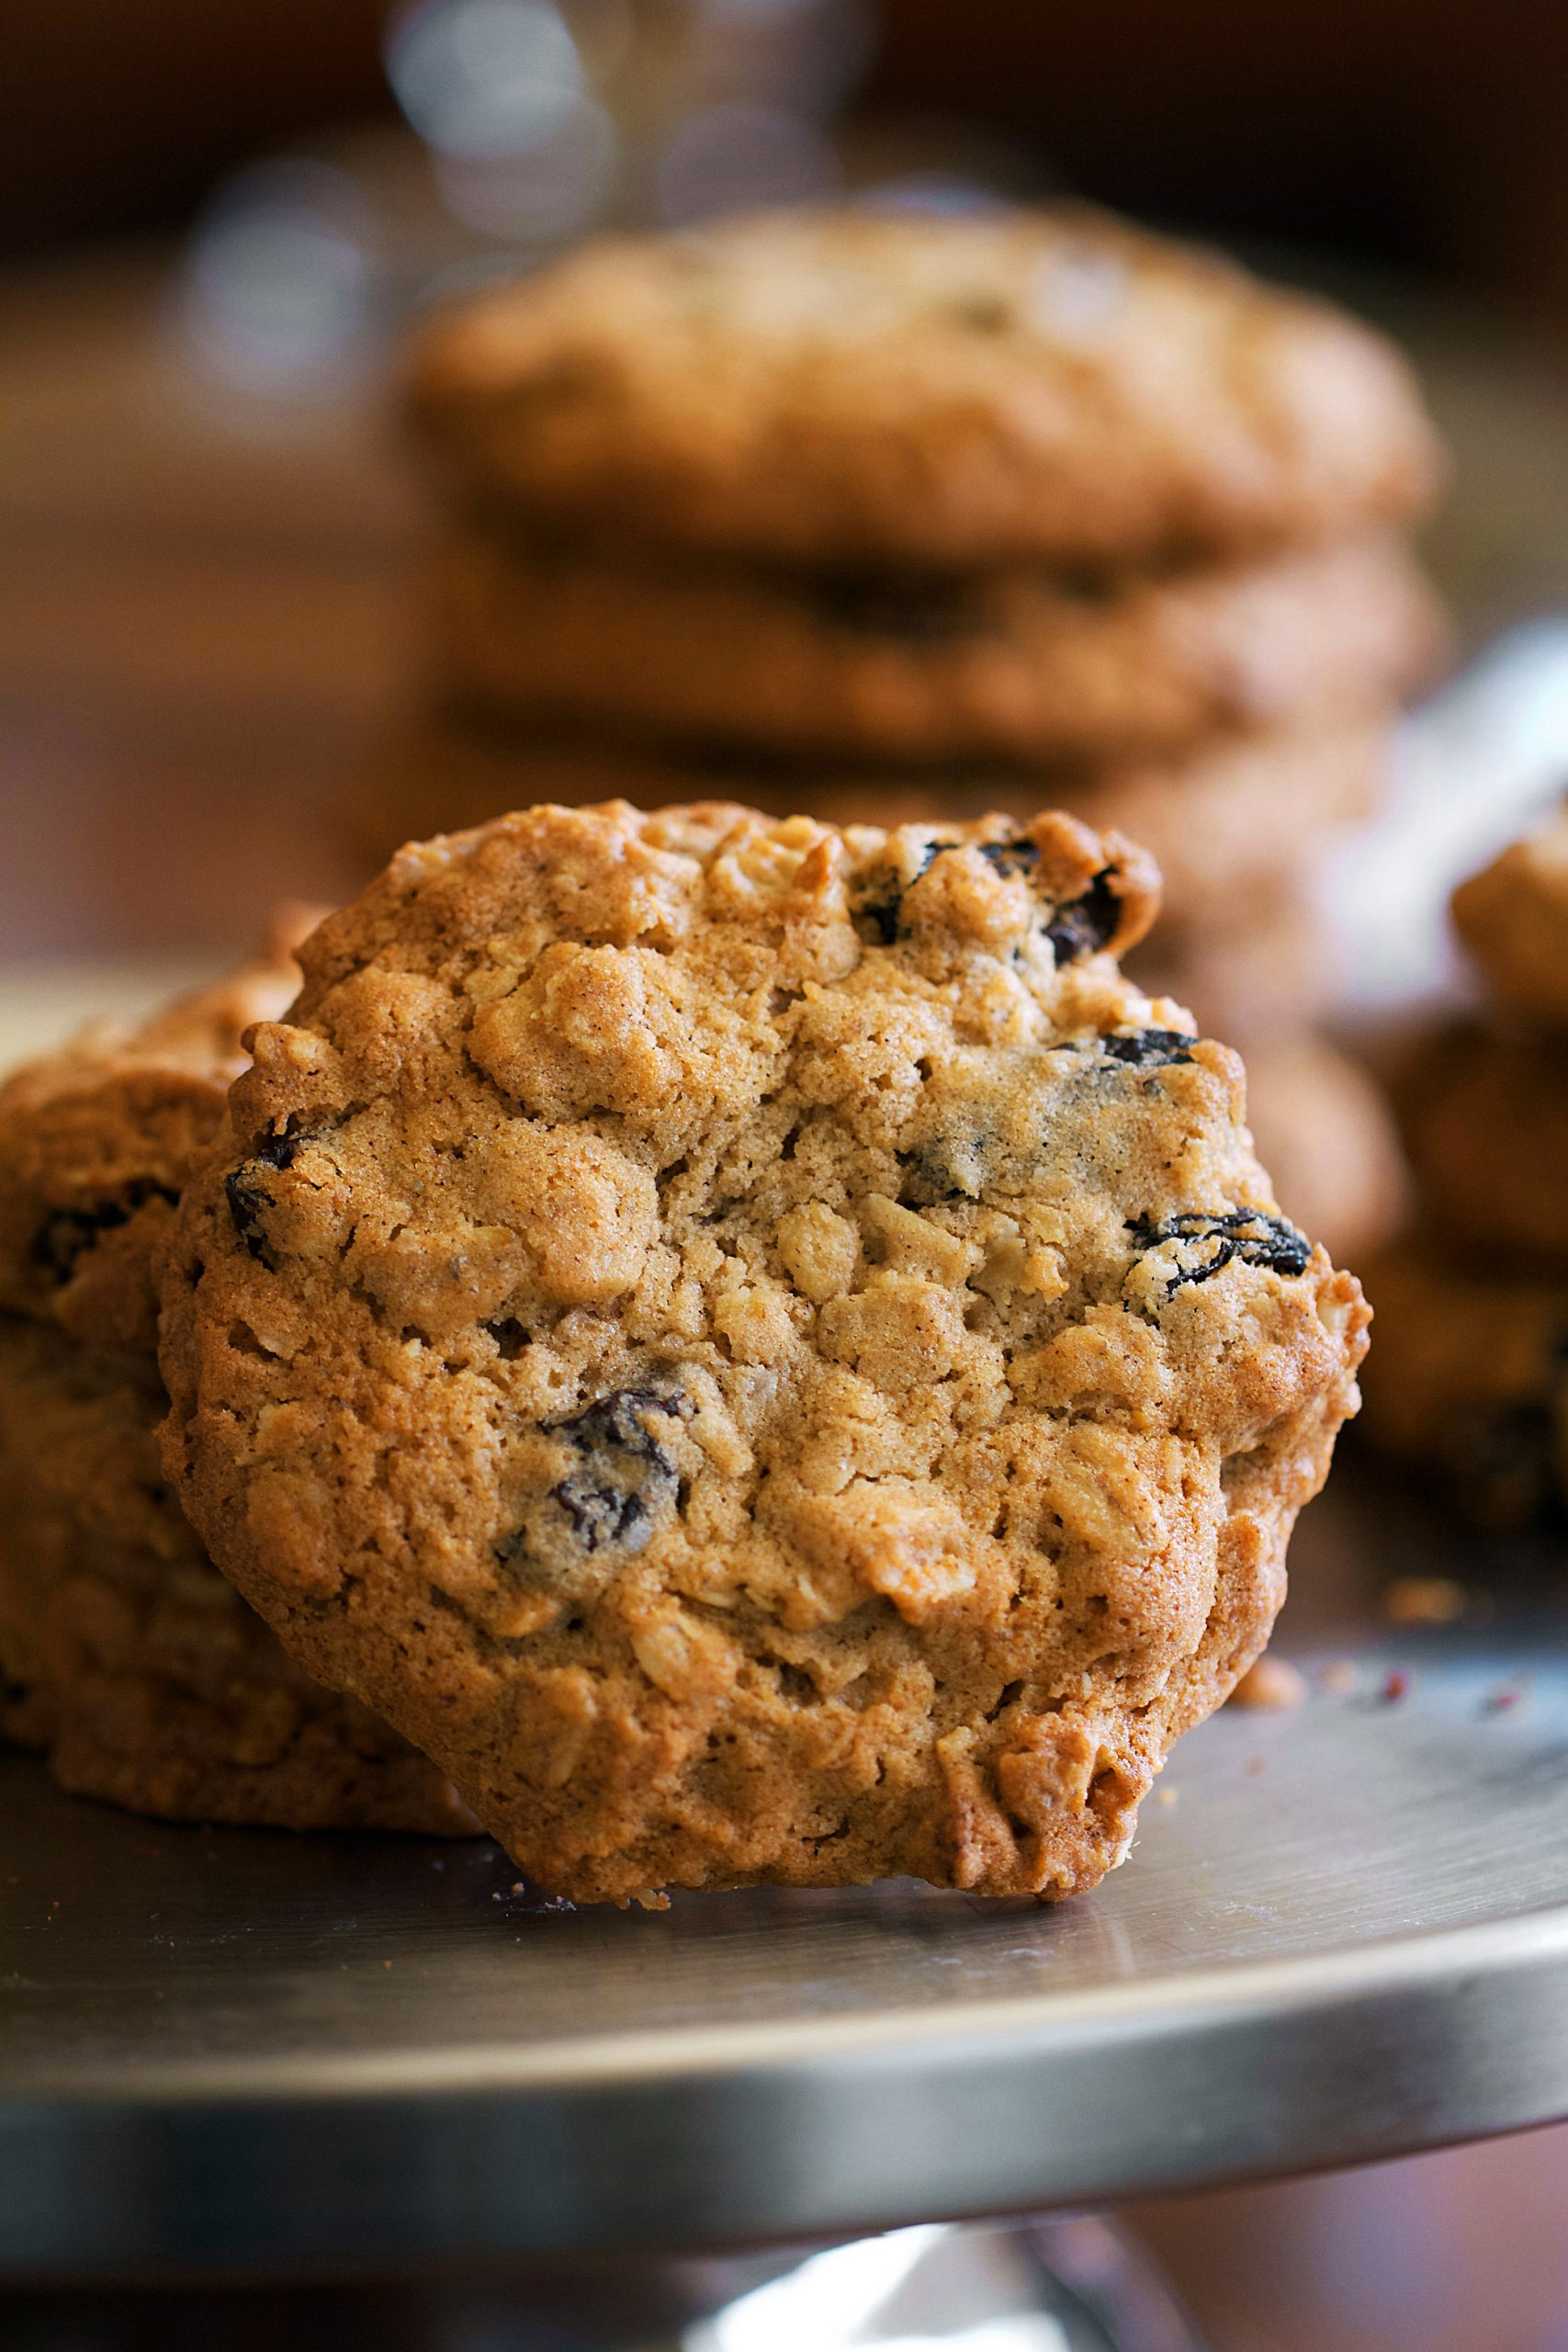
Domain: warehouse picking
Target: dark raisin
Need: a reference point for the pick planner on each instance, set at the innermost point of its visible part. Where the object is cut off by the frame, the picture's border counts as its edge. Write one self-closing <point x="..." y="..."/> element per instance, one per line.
<point x="625" y="1476"/>
<point x="249" y="1198"/>
<point x="1149" y="1048"/>
<point x="1222" y="1235"/>
<point x="944" y="1168"/>
<point x="913" y="610"/>
<point x="1084" y="925"/>
<point x="1011" y="857"/>
<point x="66" y="1233"/>
<point x="878" y="905"/>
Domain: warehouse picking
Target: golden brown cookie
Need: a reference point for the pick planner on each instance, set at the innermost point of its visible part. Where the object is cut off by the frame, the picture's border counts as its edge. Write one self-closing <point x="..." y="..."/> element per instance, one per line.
<point x="1229" y="825"/>
<point x="1513" y="916"/>
<point x="1470" y="1377"/>
<point x="125" y="1655"/>
<point x="1485" y="1117"/>
<point x="755" y="1346"/>
<point x="852" y="384"/>
<point x="122" y="1651"/>
<point x="1012" y="664"/>
<point x="95" y="1139"/>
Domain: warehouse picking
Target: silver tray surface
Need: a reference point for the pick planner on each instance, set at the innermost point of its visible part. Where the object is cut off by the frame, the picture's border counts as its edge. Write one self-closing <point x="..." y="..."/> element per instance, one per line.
<point x="1345" y="1936"/>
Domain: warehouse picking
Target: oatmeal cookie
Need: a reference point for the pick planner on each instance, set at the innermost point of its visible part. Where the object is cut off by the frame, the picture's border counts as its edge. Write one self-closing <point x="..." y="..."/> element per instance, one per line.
<point x="125" y="1655"/>
<point x="1014" y="663"/>
<point x="853" y="384"/>
<point x="95" y="1138"/>
<point x="1513" y="916"/>
<point x="1470" y="1378"/>
<point x="1229" y="825"/>
<point x="1485" y="1117"/>
<point x="754" y="1346"/>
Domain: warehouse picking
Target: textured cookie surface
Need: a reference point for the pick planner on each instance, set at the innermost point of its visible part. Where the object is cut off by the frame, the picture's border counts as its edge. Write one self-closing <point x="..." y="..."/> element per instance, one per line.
<point x="125" y="1655"/>
<point x="755" y="1347"/>
<point x="1470" y="1378"/>
<point x="1513" y="916"/>
<point x="1013" y="663"/>
<point x="94" y="1140"/>
<point x="851" y="383"/>
<point x="1229" y="824"/>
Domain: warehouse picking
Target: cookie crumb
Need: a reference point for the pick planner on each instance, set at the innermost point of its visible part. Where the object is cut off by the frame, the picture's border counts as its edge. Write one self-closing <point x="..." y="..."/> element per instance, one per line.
<point x="1339" y="1676"/>
<point x="1270" y="1682"/>
<point x="1423" y="1600"/>
<point x="1165" y="1795"/>
<point x="1396" y="1687"/>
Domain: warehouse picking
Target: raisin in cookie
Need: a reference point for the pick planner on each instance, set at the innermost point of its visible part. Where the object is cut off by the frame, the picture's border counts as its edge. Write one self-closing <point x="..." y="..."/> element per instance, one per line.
<point x="1229" y="824"/>
<point x="1011" y="663"/>
<point x="754" y="1346"/>
<point x="850" y="384"/>
<point x="1485" y="1117"/>
<point x="1513" y="916"/>
<point x="1470" y="1378"/>
<point x="126" y="1656"/>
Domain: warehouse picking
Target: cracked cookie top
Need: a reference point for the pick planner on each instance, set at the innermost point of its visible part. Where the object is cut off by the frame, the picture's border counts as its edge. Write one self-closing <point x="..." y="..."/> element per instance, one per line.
<point x="754" y="1344"/>
<point x="849" y="383"/>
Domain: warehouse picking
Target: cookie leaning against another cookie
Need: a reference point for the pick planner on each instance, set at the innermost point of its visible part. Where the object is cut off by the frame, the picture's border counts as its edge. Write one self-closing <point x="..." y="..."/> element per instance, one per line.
<point x="122" y="1651"/>
<point x="755" y="1346"/>
<point x="1513" y="916"/>
<point x="854" y="384"/>
<point x="1011" y="663"/>
<point x="96" y="1137"/>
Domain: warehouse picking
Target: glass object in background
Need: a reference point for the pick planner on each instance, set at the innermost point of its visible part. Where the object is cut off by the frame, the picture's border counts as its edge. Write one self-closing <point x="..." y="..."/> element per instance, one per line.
<point x="529" y="124"/>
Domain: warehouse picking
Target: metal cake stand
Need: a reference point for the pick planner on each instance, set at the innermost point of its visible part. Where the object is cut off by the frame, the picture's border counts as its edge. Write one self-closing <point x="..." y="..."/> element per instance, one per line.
<point x="1342" y="1934"/>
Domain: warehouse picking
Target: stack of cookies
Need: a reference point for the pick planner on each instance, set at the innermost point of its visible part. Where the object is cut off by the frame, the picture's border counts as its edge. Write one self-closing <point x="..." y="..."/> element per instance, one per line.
<point x="1472" y="1305"/>
<point x="123" y="1653"/>
<point x="907" y="518"/>
<point x="754" y="1346"/>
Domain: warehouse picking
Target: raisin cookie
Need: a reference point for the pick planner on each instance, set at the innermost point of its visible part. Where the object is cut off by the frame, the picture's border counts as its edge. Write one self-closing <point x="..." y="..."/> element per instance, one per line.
<point x="126" y="1656"/>
<point x="1011" y="664"/>
<point x="1513" y="916"/>
<point x="1485" y="1117"/>
<point x="1471" y="1379"/>
<point x="1229" y="824"/>
<point x="122" y="1651"/>
<point x="95" y="1139"/>
<point x="845" y="384"/>
<point x="754" y="1346"/>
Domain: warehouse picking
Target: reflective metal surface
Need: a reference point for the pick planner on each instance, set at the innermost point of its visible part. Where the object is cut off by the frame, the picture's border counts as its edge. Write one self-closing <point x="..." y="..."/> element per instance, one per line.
<point x="1347" y="1935"/>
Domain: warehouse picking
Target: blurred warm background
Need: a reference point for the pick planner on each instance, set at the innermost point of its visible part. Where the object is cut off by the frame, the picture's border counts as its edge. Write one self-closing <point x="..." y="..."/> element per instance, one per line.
<point x="215" y="224"/>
